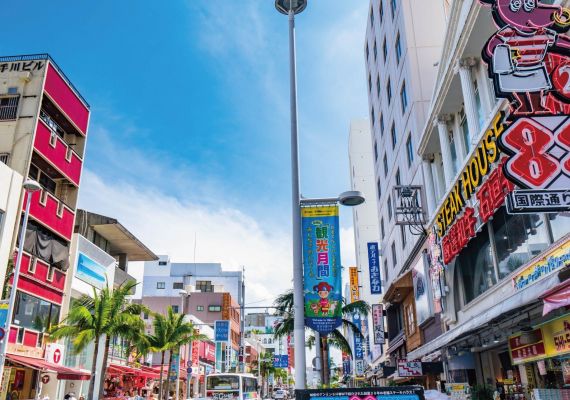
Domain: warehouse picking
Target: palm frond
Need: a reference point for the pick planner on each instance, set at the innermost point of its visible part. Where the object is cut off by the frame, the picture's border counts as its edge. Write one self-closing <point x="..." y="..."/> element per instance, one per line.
<point x="359" y="306"/>
<point x="337" y="339"/>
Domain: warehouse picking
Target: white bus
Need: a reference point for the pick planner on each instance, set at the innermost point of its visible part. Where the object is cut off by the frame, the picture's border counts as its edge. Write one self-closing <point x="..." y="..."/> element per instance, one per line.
<point x="230" y="386"/>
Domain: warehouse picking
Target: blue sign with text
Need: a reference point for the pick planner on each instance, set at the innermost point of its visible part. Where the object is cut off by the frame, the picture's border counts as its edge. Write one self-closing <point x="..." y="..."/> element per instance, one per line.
<point x="281" y="361"/>
<point x="222" y="331"/>
<point x="358" y="348"/>
<point x="374" y="268"/>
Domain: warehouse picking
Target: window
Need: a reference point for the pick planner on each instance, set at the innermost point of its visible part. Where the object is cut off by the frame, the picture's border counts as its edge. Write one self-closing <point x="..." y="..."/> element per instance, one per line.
<point x="381" y="124"/>
<point x="175" y="309"/>
<point x="398" y="178"/>
<point x="465" y="130"/>
<point x="12" y="90"/>
<point x="162" y="263"/>
<point x="385" y="270"/>
<point x="381" y="10"/>
<point x="369" y="83"/>
<point x="453" y="151"/>
<point x="214" y="308"/>
<point x="373" y="116"/>
<point x="403" y="236"/>
<point x="379" y="188"/>
<point x="160" y="285"/>
<point x="199" y="308"/>
<point x="385" y="161"/>
<point x="398" y="49"/>
<point x="404" y="98"/>
<point x="393" y="134"/>
<point x="9" y="107"/>
<point x="375" y="151"/>
<point x="389" y="91"/>
<point x="393" y="7"/>
<point x="204" y="286"/>
<point x="389" y="205"/>
<point x="375" y="50"/>
<point x="178" y="285"/>
<point x="371" y="17"/>
<point x="394" y="255"/>
<point x="378" y="85"/>
<point x="480" y="113"/>
<point x="34" y="313"/>
<point x="409" y="150"/>
<point x="385" y="50"/>
<point x="382" y="230"/>
<point x="145" y="315"/>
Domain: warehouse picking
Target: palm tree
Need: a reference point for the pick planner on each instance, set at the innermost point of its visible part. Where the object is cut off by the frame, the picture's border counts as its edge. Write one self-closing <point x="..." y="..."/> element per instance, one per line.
<point x="170" y="333"/>
<point x="284" y="307"/>
<point x="105" y="315"/>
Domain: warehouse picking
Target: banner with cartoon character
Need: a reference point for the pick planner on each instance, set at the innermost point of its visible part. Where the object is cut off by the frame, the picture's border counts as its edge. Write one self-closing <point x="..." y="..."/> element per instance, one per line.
<point x="322" y="268"/>
<point x="529" y="63"/>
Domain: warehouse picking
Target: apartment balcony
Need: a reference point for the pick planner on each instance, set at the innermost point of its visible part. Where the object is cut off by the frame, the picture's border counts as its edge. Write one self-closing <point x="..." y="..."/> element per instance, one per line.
<point x="39" y="279"/>
<point x="52" y="213"/>
<point x="58" y="153"/>
<point x="75" y="109"/>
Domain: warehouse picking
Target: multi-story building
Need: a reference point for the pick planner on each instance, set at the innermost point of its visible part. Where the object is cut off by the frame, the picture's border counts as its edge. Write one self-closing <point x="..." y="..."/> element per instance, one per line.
<point x="402" y="47"/>
<point x="493" y="270"/>
<point x="43" y="130"/>
<point x="367" y="233"/>
<point x="101" y="249"/>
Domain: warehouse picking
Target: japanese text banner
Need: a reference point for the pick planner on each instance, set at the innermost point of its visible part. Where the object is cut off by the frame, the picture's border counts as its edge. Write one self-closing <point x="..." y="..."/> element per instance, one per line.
<point x="322" y="268"/>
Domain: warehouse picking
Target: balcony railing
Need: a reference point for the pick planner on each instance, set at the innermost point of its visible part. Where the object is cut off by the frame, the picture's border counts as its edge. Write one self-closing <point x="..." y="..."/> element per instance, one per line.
<point x="54" y="149"/>
<point x="52" y="213"/>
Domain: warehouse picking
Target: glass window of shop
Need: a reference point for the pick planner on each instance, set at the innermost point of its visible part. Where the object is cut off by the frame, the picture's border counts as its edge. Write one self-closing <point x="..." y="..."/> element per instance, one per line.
<point x="518" y="238"/>
<point x="34" y="313"/>
<point x="474" y="267"/>
<point x="83" y="359"/>
<point x="559" y="223"/>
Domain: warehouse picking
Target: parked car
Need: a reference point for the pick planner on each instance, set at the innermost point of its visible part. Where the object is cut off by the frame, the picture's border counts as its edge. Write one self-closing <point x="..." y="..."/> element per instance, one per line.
<point x="279" y="394"/>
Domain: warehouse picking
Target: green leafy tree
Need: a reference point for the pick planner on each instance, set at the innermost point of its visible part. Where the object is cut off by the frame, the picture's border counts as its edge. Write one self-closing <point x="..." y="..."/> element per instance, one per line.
<point x="108" y="313"/>
<point x="284" y="308"/>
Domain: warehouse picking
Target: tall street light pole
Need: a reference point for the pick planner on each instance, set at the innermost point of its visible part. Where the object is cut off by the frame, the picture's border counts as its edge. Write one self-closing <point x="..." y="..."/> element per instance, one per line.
<point x="30" y="186"/>
<point x="290" y="8"/>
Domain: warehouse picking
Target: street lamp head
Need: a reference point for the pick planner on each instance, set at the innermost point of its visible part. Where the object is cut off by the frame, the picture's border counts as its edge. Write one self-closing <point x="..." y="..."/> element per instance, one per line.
<point x="297" y="6"/>
<point x="351" y="198"/>
<point x="31" y="186"/>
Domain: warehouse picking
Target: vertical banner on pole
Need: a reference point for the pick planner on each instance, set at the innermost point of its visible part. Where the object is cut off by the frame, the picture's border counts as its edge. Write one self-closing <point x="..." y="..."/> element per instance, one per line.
<point x="322" y="268"/>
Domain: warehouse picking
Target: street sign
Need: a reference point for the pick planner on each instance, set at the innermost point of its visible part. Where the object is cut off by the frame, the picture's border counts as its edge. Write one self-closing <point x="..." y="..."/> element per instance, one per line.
<point x="409" y="368"/>
<point x="189" y="364"/>
<point x="189" y="370"/>
<point x="222" y="331"/>
<point x="280" y="361"/>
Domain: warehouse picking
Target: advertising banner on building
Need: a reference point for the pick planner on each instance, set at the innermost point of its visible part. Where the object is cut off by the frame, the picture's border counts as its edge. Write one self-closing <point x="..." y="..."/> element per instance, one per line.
<point x="378" y="323"/>
<point x="354" y="284"/>
<point x="367" y="393"/>
<point x="222" y="331"/>
<point x="322" y="268"/>
<point x="419" y="280"/>
<point x="374" y="268"/>
<point x="358" y="350"/>
<point x="90" y="271"/>
<point x="552" y="261"/>
<point x="528" y="61"/>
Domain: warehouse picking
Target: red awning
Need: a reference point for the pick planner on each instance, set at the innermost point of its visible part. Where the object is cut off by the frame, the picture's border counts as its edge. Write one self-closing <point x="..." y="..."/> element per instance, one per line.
<point x="63" y="373"/>
<point x="558" y="296"/>
<point x="144" y="372"/>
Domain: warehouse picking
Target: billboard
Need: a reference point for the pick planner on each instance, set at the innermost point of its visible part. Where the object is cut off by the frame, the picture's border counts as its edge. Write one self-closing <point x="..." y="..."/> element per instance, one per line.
<point x="222" y="331"/>
<point x="90" y="271"/>
<point x="369" y="393"/>
<point x="374" y="268"/>
<point x="322" y="268"/>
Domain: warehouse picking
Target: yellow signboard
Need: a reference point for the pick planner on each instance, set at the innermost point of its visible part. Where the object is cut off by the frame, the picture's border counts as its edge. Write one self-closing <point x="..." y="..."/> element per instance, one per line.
<point x="321" y="211"/>
<point x="554" y="260"/>
<point x="354" y="289"/>
<point x="556" y="336"/>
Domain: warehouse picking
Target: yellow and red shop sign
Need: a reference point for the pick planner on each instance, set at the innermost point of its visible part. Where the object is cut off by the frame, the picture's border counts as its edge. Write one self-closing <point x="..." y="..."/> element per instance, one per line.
<point x="554" y="260"/>
<point x="353" y="281"/>
<point x="551" y="339"/>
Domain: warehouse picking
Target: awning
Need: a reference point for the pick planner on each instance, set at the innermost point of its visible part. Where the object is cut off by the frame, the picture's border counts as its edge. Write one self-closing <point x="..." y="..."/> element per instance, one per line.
<point x="397" y="342"/>
<point x="399" y="288"/>
<point x="517" y="300"/>
<point x="63" y="373"/>
<point x="558" y="296"/>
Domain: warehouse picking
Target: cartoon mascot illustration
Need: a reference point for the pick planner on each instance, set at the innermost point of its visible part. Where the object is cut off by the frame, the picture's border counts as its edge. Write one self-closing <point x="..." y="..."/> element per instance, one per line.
<point x="323" y="305"/>
<point x="525" y="52"/>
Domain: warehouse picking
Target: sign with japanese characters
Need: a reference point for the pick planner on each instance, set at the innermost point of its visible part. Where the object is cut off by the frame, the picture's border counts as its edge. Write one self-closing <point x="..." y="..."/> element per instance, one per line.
<point x="534" y="201"/>
<point x="374" y="268"/>
<point x="365" y="393"/>
<point x="358" y="350"/>
<point x="354" y="284"/>
<point x="22" y="66"/>
<point x="550" y="262"/>
<point x="222" y="331"/>
<point x="322" y="268"/>
<point x="409" y="368"/>
<point x="378" y="323"/>
<point x="528" y="61"/>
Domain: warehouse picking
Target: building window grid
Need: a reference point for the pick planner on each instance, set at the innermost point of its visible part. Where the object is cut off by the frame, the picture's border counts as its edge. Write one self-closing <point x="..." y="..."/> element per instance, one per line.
<point x="369" y="83"/>
<point x="398" y="47"/>
<point x="379" y="188"/>
<point x="367" y="52"/>
<point x="375" y="152"/>
<point x="404" y="98"/>
<point x="375" y="50"/>
<point x="398" y="177"/>
<point x="389" y="91"/>
<point x="381" y="10"/>
<point x="393" y="8"/>
<point x="378" y="85"/>
<point x="161" y="285"/>
<point x="409" y="150"/>
<point x="382" y="229"/>
<point x="394" y="255"/>
<point x="385" y="50"/>
<point x="385" y="162"/>
<point x="393" y="135"/>
<point x="403" y="235"/>
<point x="373" y="116"/>
<point x="371" y="17"/>
<point x="381" y="125"/>
<point x="389" y="205"/>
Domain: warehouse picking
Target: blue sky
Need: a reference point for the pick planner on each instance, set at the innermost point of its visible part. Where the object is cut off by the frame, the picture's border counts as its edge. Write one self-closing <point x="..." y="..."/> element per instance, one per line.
<point x="190" y="113"/>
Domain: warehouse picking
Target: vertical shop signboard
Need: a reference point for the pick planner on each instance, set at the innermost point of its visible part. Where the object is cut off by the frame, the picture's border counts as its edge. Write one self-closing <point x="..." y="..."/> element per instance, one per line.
<point x="354" y="284"/>
<point x="322" y="268"/>
<point x="5" y="383"/>
<point x="528" y="61"/>
<point x="378" y="323"/>
<point x="423" y="311"/>
<point x="174" y="368"/>
<point x="358" y="350"/>
<point x="374" y="268"/>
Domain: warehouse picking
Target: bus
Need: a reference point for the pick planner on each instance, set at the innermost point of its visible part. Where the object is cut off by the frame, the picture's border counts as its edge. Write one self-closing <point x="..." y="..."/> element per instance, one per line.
<point x="230" y="386"/>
